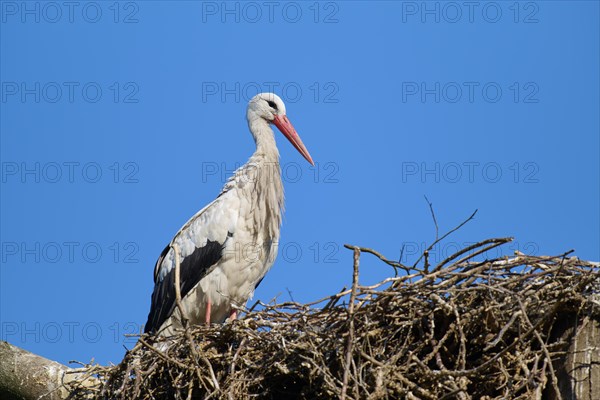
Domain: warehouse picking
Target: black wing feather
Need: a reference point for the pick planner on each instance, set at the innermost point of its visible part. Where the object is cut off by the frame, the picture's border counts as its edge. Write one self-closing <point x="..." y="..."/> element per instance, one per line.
<point x="191" y="270"/>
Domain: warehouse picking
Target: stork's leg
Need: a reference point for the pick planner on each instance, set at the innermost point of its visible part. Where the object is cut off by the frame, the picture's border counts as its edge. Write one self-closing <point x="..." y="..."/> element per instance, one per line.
<point x="207" y="319"/>
<point x="233" y="314"/>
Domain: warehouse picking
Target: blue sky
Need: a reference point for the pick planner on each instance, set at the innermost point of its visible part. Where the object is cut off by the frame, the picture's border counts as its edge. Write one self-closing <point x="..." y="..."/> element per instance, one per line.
<point x="120" y="120"/>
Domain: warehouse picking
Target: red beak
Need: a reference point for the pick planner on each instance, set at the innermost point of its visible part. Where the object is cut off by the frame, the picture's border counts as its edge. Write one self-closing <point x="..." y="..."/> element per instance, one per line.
<point x="285" y="126"/>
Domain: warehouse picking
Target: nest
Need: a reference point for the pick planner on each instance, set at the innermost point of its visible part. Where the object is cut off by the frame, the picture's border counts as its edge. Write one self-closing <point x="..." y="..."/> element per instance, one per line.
<point x="465" y="328"/>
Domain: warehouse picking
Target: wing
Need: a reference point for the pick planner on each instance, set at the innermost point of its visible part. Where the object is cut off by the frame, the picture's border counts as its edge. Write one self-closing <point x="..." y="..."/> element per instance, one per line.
<point x="201" y="241"/>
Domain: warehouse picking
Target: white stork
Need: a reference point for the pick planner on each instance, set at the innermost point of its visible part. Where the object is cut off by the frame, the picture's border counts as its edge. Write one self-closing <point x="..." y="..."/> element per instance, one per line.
<point x="227" y="247"/>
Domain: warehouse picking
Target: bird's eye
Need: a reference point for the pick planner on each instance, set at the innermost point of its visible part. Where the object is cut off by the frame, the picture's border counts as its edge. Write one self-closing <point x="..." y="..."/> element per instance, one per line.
<point x="272" y="104"/>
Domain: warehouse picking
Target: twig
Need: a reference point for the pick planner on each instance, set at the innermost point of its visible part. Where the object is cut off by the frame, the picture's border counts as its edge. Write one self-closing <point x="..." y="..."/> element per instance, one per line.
<point x="437" y="229"/>
<point x="235" y="357"/>
<point x="445" y="236"/>
<point x="546" y="352"/>
<point x="184" y="322"/>
<point x="289" y="294"/>
<point x="349" y="346"/>
<point x="161" y="355"/>
<point x="474" y="246"/>
<point x="393" y="264"/>
<point x="495" y="243"/>
<point x="493" y="343"/>
<point x="400" y="257"/>
<point x="333" y="300"/>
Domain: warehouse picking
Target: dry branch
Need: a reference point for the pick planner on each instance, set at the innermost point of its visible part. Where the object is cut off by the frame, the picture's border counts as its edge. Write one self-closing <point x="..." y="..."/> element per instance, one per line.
<point x="24" y="375"/>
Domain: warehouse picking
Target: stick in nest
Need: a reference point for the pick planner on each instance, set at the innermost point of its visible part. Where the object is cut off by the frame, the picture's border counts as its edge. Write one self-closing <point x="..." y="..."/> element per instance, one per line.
<point x="184" y="323"/>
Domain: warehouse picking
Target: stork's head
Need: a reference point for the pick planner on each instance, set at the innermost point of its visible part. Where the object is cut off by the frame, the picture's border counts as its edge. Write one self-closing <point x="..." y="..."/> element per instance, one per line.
<point x="270" y="107"/>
